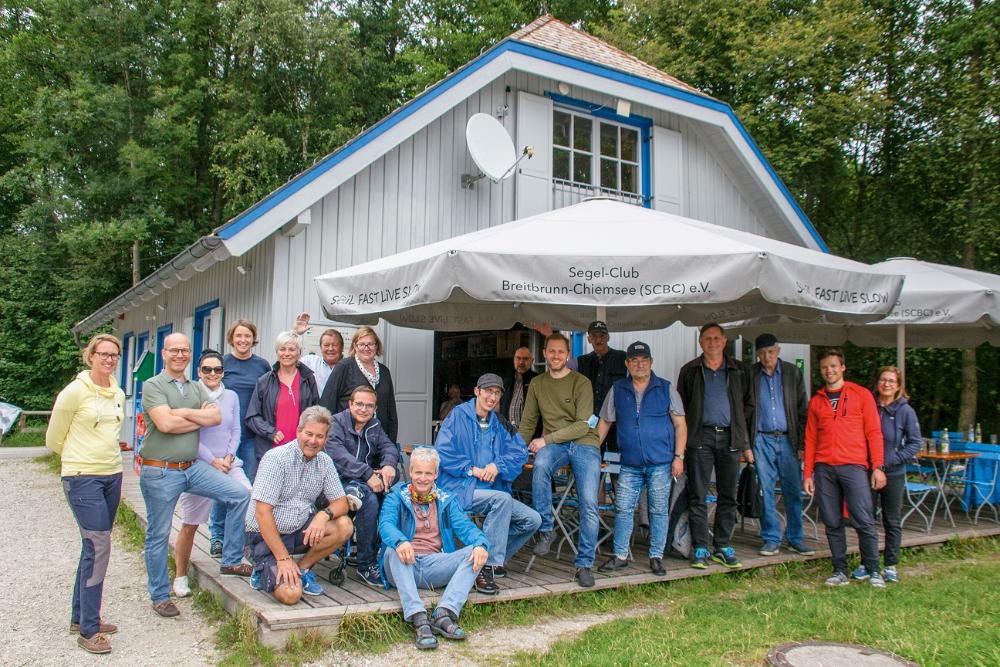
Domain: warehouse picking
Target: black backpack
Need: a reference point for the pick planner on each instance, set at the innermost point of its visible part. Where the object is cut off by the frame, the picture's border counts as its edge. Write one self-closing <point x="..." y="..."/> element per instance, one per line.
<point x="750" y="495"/>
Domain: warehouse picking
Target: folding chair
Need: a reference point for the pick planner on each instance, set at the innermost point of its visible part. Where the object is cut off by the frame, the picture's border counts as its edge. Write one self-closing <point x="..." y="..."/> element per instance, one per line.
<point x="980" y="491"/>
<point x="917" y="494"/>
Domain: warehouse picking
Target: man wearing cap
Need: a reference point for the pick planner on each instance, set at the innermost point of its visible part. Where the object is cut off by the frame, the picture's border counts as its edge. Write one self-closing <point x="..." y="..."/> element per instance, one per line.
<point x="563" y="401"/>
<point x="718" y="405"/>
<point x="480" y="458"/>
<point x="652" y="452"/>
<point x="603" y="367"/>
<point x="779" y="392"/>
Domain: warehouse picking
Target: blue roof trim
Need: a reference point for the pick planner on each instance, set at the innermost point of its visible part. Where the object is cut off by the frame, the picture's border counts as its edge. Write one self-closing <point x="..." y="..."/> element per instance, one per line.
<point x="246" y="218"/>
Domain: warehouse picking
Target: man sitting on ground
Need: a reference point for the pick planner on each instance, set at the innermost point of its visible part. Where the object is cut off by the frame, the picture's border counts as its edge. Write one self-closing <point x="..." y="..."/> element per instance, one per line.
<point x="280" y="521"/>
<point x="366" y="461"/>
<point x="480" y="458"/>
<point x="418" y="525"/>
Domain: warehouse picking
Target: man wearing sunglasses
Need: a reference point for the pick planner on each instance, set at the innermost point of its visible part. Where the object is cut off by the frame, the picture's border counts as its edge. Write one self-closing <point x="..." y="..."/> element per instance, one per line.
<point x="366" y="461"/>
<point x="480" y="458"/>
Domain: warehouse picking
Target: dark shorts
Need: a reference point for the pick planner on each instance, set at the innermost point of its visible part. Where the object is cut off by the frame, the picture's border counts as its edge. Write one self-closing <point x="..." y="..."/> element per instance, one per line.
<point x="264" y="562"/>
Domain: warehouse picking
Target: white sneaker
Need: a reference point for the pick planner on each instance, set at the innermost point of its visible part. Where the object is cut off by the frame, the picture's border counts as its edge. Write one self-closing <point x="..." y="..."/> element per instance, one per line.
<point x="181" y="588"/>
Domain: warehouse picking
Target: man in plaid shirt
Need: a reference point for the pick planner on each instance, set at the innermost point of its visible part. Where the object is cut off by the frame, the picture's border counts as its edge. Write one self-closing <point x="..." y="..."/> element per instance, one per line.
<point x="280" y="520"/>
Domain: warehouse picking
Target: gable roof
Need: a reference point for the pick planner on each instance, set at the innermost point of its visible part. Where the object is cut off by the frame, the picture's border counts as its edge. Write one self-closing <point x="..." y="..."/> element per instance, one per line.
<point x="547" y="41"/>
<point x="550" y="33"/>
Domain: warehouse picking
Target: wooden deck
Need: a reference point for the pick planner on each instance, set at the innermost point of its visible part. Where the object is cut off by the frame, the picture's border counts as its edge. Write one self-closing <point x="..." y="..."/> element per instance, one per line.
<point x="548" y="576"/>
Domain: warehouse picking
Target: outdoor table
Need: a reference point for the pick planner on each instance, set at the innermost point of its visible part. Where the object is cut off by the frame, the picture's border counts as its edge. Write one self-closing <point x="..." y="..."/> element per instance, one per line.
<point x="943" y="464"/>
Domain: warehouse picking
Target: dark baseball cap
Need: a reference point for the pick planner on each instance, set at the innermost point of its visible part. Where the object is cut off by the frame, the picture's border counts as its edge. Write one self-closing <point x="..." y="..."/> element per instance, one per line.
<point x="597" y="326"/>
<point x="487" y="380"/>
<point x="765" y="340"/>
<point x="638" y="349"/>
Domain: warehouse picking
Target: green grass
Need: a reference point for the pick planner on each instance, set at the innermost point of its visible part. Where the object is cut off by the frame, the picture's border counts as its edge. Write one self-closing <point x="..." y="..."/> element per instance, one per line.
<point x="944" y="613"/>
<point x="22" y="439"/>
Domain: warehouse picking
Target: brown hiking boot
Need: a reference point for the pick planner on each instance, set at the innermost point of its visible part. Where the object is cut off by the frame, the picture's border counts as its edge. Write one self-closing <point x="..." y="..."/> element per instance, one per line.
<point x="97" y="644"/>
<point x="239" y="570"/>
<point x="105" y="629"/>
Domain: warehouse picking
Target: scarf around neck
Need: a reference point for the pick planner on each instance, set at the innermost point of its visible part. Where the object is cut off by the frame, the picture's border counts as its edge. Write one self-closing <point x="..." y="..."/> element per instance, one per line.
<point x="372" y="379"/>
<point x="426" y="499"/>
<point x="214" y="395"/>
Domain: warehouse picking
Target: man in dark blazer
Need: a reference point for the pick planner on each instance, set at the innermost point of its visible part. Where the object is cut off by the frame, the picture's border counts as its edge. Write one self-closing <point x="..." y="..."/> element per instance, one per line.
<point x="777" y="431"/>
<point x="516" y="386"/>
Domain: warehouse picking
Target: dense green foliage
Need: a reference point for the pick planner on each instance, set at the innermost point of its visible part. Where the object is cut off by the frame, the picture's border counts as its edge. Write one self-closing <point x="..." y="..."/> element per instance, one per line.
<point x="149" y="123"/>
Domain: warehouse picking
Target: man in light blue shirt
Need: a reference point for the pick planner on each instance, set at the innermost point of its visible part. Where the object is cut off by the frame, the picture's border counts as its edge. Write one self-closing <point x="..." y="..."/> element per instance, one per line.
<point x="777" y="432"/>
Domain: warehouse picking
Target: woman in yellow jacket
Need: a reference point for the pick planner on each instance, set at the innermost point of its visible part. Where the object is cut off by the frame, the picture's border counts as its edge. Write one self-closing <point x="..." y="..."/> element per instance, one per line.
<point x="84" y="428"/>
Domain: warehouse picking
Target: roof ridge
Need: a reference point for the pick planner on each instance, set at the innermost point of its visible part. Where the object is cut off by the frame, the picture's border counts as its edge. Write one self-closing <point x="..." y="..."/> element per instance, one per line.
<point x="529" y="28"/>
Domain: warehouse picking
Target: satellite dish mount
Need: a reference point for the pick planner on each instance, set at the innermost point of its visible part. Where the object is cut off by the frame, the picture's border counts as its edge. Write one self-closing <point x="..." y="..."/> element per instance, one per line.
<point x="492" y="150"/>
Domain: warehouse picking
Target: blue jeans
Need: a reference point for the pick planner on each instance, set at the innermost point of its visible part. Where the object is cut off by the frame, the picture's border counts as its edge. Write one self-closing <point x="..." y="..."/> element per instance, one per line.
<point x="586" y="464"/>
<point x="94" y="501"/>
<point x="245" y="452"/>
<point x="452" y="570"/>
<point x="658" y="481"/>
<point x="160" y="489"/>
<point x="508" y="524"/>
<point x="775" y="457"/>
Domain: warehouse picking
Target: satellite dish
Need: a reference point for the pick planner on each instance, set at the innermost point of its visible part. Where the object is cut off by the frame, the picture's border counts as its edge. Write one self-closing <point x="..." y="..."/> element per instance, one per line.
<point x="491" y="148"/>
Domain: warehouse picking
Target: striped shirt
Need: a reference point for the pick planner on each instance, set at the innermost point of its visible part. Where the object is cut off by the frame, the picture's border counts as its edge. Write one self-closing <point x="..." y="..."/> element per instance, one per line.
<point x="290" y="483"/>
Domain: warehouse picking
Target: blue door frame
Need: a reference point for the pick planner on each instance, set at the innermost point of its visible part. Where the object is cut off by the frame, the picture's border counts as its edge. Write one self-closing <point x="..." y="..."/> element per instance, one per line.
<point x="201" y="313"/>
<point x="161" y="333"/>
<point x="125" y="361"/>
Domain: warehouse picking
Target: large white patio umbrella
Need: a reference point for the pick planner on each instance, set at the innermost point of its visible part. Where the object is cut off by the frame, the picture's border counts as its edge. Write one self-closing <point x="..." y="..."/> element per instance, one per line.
<point x="633" y="267"/>
<point x="940" y="306"/>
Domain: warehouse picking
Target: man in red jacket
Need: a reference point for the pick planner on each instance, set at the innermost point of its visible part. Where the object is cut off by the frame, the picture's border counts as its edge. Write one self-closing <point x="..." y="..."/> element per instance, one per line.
<point x="844" y="448"/>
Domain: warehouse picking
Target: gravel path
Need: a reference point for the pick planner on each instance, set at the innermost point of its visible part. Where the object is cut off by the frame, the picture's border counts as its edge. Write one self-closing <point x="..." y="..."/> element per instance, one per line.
<point x="36" y="586"/>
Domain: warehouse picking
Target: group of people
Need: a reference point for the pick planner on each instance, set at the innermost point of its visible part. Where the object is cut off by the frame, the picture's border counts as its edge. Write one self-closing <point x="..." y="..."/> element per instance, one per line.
<point x="299" y="458"/>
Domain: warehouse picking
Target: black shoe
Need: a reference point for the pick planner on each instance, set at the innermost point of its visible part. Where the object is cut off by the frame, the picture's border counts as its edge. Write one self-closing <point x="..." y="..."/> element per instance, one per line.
<point x="215" y="549"/>
<point x="614" y="564"/>
<point x="726" y="556"/>
<point x="656" y="567"/>
<point x="485" y="583"/>
<point x="585" y="577"/>
<point x="370" y="575"/>
<point x="499" y="572"/>
<point x="444" y="623"/>
<point x="543" y="543"/>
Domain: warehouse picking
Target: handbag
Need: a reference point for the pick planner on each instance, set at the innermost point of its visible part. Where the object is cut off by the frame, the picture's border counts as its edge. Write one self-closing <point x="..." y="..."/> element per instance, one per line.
<point x="749" y="494"/>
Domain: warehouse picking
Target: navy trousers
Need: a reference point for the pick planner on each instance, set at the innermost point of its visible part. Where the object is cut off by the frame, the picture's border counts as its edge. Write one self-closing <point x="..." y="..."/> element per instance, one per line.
<point x="94" y="501"/>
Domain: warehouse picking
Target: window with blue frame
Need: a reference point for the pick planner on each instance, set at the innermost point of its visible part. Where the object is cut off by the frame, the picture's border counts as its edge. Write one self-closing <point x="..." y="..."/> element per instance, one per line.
<point x="125" y="363"/>
<point x="202" y="324"/>
<point x="161" y="335"/>
<point x="596" y="152"/>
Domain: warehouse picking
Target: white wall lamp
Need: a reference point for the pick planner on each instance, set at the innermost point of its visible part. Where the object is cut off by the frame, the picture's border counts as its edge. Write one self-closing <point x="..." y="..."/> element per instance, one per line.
<point x="623" y="108"/>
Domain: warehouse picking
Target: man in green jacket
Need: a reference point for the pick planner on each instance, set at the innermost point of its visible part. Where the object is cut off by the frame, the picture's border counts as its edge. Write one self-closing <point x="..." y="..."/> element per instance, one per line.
<point x="564" y="401"/>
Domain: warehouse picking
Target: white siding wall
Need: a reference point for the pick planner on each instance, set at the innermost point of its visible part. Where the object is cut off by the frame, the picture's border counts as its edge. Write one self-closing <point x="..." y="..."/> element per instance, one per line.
<point x="412" y="196"/>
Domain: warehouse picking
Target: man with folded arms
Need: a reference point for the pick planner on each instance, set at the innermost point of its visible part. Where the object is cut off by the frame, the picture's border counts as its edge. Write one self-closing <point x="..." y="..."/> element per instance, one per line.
<point x="280" y="521"/>
<point x="564" y="402"/>
<point x="480" y="459"/>
<point x="844" y="463"/>
<point x="651" y="439"/>
<point x="176" y="408"/>
<point x="776" y="432"/>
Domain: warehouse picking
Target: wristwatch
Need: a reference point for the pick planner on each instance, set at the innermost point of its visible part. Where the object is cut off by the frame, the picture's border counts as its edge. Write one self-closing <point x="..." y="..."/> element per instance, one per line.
<point x="679" y="456"/>
<point x="327" y="512"/>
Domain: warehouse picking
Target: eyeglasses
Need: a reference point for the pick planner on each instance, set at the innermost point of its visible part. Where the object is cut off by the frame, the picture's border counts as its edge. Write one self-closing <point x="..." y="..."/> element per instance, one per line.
<point x="365" y="346"/>
<point x="108" y="356"/>
<point x="888" y="382"/>
<point x="492" y="392"/>
<point x="178" y="351"/>
<point x="212" y="370"/>
<point x="363" y="406"/>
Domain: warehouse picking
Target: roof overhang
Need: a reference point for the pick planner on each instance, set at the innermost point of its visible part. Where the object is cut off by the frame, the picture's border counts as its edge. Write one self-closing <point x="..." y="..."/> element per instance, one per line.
<point x="199" y="256"/>
<point x="261" y="220"/>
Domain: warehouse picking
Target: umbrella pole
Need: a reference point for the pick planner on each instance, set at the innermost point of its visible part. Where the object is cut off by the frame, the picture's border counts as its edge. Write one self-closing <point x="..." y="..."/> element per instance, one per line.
<point x="602" y="313"/>
<point x="901" y="352"/>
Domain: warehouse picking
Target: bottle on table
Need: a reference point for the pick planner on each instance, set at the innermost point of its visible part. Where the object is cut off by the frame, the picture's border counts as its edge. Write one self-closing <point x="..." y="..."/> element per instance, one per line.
<point x="971" y="437"/>
<point x="944" y="441"/>
<point x="979" y="433"/>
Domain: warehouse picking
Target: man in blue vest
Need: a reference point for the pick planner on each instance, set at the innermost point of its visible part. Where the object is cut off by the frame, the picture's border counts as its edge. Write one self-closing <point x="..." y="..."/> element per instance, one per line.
<point x="652" y="452"/>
